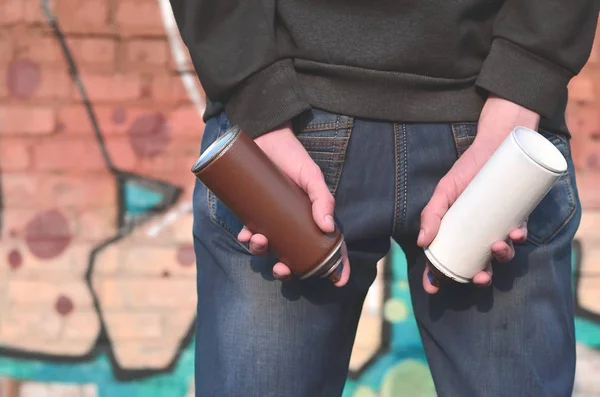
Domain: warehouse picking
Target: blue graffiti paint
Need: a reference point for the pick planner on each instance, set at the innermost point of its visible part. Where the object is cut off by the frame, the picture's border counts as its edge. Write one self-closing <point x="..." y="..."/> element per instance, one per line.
<point x="140" y="199"/>
<point x="403" y="365"/>
<point x="405" y="344"/>
<point x="99" y="372"/>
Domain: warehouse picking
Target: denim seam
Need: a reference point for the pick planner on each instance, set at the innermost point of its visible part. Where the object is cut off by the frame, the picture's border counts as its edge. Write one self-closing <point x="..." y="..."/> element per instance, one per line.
<point x="571" y="200"/>
<point x="397" y="161"/>
<point x="559" y="228"/>
<point x="462" y="139"/>
<point x="348" y="128"/>
<point x="324" y="126"/>
<point x="405" y="154"/>
<point x="212" y="200"/>
<point x="329" y="151"/>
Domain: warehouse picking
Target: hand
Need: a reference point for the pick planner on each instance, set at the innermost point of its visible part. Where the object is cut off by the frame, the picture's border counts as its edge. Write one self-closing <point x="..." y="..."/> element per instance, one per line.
<point x="286" y="151"/>
<point x="498" y="118"/>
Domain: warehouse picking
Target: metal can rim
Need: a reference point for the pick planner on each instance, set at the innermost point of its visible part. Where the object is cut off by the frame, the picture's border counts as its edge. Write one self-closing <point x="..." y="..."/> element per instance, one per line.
<point x="216" y="149"/>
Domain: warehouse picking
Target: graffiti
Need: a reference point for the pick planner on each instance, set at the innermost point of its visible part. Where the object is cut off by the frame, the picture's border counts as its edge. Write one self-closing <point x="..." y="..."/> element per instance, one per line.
<point x="100" y="120"/>
<point x="397" y="362"/>
<point x="586" y="281"/>
<point x="97" y="276"/>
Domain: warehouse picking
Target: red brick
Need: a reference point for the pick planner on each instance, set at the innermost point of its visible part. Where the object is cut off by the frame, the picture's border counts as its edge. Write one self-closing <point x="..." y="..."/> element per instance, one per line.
<point x="54" y="84"/>
<point x="595" y="54"/>
<point x="97" y="224"/>
<point x="78" y="191"/>
<point x="32" y="11"/>
<point x="586" y="153"/>
<point x="583" y="119"/>
<point x="6" y="48"/>
<point x="584" y="124"/>
<point x="111" y="87"/>
<point x="3" y="86"/>
<point x="89" y="16"/>
<point x="179" y="157"/>
<point x="139" y="18"/>
<point x="37" y="47"/>
<point x="94" y="54"/>
<point x="75" y="156"/>
<point x="122" y="154"/>
<point x="14" y="155"/>
<point x="588" y="184"/>
<point x="582" y="88"/>
<point x="169" y="89"/>
<point x="112" y="120"/>
<point x="75" y="120"/>
<point x="20" y="190"/>
<point x="187" y="64"/>
<point x="16" y="119"/>
<point x="11" y="11"/>
<point x="145" y="54"/>
<point x="186" y="121"/>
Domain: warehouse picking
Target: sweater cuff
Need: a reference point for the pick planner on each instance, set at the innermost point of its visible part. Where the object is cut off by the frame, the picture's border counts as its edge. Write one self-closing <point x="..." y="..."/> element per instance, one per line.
<point x="524" y="78"/>
<point x="267" y="99"/>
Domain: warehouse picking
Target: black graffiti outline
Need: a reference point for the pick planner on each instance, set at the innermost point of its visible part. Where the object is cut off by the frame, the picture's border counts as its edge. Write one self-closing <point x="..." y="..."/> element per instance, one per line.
<point x="386" y="332"/>
<point x="386" y="326"/>
<point x="125" y="226"/>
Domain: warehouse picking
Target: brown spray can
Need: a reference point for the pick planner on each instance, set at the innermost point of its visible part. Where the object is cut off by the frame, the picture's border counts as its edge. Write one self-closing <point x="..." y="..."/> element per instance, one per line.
<point x="248" y="183"/>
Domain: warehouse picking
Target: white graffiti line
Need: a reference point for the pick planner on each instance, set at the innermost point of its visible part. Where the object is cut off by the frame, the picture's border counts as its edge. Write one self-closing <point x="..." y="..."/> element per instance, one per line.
<point x="169" y="218"/>
<point x="179" y="53"/>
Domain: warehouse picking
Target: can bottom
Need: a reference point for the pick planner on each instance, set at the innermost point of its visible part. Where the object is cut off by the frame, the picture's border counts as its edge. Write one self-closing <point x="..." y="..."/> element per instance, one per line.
<point x="330" y="268"/>
<point x="441" y="271"/>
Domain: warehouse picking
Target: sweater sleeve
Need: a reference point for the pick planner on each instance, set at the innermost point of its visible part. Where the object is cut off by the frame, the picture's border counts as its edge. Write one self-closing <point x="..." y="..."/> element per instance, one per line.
<point x="538" y="46"/>
<point x="233" y="50"/>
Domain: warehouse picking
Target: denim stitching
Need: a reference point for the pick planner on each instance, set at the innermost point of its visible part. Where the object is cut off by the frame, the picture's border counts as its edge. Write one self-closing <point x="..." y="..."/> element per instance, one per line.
<point x="212" y="199"/>
<point x="397" y="158"/>
<point x="559" y="228"/>
<point x="462" y="139"/>
<point x="343" y="156"/>
<point x="324" y="145"/>
<point x="570" y="192"/>
<point x="405" y="154"/>
<point x="329" y="151"/>
<point x="455" y="138"/>
<point x="327" y="126"/>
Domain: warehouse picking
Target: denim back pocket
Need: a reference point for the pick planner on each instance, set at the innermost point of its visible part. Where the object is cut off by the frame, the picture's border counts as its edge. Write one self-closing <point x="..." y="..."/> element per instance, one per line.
<point x="560" y="204"/>
<point x="220" y="215"/>
<point x="326" y="138"/>
<point x="464" y="135"/>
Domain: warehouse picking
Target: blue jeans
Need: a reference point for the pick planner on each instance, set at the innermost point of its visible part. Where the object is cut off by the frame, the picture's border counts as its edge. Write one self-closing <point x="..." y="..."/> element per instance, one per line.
<point x="257" y="337"/>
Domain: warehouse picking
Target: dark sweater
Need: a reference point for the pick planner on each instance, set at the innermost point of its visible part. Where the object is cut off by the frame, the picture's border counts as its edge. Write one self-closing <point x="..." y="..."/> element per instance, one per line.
<point x="268" y="61"/>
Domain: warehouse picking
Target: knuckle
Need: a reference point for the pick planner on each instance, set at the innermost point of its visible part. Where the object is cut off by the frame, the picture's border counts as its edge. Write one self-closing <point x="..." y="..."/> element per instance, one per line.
<point x="328" y="199"/>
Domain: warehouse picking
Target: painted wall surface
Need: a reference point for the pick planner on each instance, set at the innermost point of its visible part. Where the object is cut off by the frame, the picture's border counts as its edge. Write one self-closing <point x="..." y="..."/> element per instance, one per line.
<point x="99" y="125"/>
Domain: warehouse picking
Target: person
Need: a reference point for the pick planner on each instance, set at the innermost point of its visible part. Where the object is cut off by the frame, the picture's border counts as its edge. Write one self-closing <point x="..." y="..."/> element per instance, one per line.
<point x="382" y="112"/>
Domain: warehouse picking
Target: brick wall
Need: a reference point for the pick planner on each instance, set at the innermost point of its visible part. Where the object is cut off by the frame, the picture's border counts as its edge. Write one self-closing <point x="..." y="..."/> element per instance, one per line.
<point x="96" y="266"/>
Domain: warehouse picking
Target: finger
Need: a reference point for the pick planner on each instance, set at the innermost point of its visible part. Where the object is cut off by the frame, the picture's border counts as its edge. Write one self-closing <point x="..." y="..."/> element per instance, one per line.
<point x="281" y="272"/>
<point x="346" y="270"/>
<point x="484" y="278"/>
<point x="432" y="215"/>
<point x="519" y="235"/>
<point x="430" y="282"/>
<point x="258" y="244"/>
<point x="244" y="235"/>
<point x="313" y="183"/>
<point x="503" y="251"/>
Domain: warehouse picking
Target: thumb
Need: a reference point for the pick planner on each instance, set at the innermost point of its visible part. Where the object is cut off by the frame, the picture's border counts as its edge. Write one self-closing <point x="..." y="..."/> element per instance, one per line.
<point x="322" y="200"/>
<point x="431" y="217"/>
